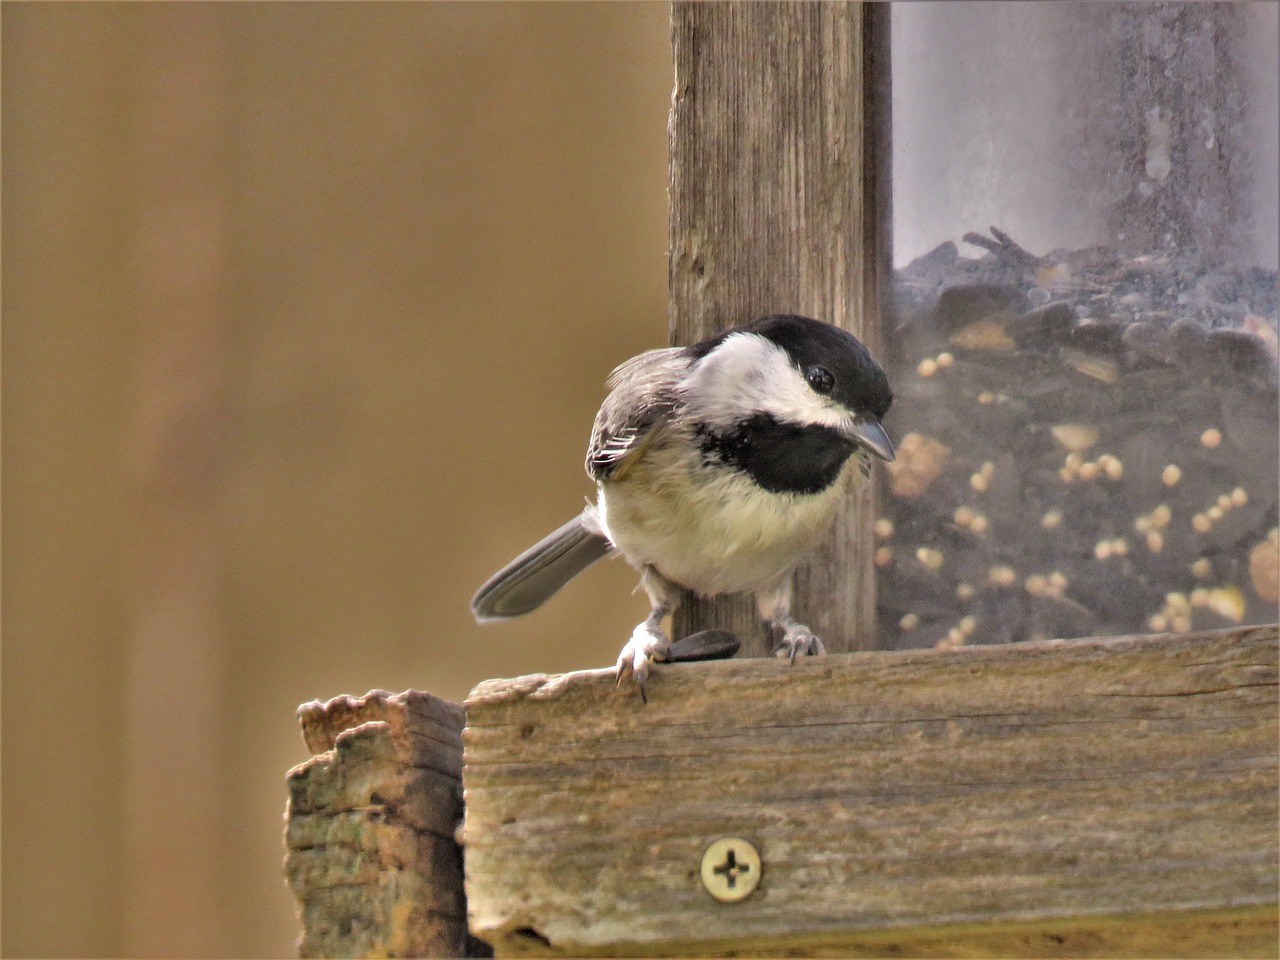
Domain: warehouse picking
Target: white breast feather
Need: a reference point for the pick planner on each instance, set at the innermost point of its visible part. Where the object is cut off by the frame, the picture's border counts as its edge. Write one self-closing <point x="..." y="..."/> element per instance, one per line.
<point x="713" y="532"/>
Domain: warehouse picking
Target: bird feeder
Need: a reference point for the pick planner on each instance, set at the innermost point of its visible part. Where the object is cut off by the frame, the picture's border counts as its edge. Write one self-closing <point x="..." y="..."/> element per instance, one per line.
<point x="1083" y="323"/>
<point x="1065" y="743"/>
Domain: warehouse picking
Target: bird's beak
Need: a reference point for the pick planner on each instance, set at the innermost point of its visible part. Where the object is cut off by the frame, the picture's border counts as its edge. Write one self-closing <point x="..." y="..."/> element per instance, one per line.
<point x="872" y="436"/>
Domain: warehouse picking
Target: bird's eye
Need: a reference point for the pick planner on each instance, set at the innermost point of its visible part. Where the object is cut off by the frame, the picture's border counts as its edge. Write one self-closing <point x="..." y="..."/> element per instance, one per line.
<point x="820" y="379"/>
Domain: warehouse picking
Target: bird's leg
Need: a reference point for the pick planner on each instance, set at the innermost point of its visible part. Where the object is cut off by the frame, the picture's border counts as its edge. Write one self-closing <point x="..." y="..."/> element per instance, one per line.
<point x="649" y="641"/>
<point x="774" y="604"/>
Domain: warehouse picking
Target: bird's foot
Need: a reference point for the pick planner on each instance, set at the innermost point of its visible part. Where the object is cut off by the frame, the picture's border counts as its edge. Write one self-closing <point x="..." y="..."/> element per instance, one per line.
<point x="648" y="643"/>
<point x="799" y="639"/>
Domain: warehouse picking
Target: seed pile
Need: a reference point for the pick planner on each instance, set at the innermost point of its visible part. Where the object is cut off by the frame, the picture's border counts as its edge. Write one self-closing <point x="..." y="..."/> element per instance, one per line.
<point x="1087" y="445"/>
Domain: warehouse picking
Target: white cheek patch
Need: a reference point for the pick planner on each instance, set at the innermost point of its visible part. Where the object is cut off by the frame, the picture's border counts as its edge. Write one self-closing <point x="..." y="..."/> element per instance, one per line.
<point x="747" y="375"/>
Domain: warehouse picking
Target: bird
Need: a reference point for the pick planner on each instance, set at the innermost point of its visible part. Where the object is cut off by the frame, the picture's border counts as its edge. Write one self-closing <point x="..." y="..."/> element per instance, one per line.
<point x="718" y="468"/>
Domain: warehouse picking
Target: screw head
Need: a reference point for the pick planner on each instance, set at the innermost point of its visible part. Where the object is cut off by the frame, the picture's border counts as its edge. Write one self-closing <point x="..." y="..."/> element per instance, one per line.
<point x="731" y="869"/>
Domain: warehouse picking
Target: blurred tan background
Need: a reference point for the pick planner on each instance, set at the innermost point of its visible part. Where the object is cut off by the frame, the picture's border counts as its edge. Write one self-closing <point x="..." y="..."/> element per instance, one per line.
<point x="307" y="311"/>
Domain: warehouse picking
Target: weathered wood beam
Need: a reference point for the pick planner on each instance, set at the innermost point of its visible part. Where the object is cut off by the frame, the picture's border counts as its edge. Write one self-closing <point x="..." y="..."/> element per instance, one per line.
<point x="1065" y="798"/>
<point x="370" y="828"/>
<point x="779" y="168"/>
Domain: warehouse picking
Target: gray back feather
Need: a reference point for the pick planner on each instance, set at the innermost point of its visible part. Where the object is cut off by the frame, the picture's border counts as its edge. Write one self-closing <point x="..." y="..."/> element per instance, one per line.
<point x="643" y="395"/>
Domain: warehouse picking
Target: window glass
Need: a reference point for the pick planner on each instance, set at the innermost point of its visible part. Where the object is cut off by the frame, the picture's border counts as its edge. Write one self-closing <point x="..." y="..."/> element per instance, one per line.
<point x="1083" y="343"/>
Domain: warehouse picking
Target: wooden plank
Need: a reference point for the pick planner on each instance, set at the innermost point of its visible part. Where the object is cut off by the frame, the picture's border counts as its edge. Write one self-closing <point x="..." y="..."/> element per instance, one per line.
<point x="370" y="828"/>
<point x="779" y="160"/>
<point x="1075" y="797"/>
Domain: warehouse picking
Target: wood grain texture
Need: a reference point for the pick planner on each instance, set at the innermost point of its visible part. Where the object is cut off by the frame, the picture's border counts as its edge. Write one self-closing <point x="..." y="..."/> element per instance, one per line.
<point x="371" y="851"/>
<point x="1065" y="798"/>
<point x="779" y="160"/>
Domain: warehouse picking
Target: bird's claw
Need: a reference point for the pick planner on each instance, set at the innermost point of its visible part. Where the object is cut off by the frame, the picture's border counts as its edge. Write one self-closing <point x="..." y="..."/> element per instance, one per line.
<point x="646" y="645"/>
<point x="799" y="639"/>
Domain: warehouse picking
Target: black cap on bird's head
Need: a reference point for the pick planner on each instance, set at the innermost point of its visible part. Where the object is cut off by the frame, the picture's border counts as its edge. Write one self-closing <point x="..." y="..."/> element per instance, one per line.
<point x="859" y="382"/>
<point x="835" y="364"/>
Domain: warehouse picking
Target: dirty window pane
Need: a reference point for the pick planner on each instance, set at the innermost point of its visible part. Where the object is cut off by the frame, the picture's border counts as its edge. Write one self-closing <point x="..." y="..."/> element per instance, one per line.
<point x="1084" y="334"/>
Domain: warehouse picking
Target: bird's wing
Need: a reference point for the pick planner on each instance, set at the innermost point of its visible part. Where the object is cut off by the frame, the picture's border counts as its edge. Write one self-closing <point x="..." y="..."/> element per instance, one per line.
<point x="643" y="395"/>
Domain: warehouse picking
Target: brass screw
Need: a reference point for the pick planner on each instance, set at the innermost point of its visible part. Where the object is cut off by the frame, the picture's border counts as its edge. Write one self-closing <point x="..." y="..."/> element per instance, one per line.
<point x="730" y="869"/>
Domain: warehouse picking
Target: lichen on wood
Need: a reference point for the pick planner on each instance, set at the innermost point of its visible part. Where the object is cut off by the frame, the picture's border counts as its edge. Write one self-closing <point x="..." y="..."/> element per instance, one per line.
<point x="370" y="828"/>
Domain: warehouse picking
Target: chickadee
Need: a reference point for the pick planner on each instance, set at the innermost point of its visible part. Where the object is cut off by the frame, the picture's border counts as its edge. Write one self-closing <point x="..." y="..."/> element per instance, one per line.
<point x="718" y="468"/>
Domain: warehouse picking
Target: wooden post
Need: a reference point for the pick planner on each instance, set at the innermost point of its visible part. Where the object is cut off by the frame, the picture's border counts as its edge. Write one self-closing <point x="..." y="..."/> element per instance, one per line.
<point x="1097" y="797"/>
<point x="370" y="829"/>
<point x="779" y="204"/>
<point x="1167" y="118"/>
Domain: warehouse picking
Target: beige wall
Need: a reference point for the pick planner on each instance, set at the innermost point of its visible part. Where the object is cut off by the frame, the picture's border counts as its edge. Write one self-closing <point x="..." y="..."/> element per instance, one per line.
<point x="307" y="309"/>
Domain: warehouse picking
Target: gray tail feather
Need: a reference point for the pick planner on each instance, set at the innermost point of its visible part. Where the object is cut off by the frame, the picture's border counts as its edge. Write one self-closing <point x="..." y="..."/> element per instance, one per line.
<point x="529" y="580"/>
